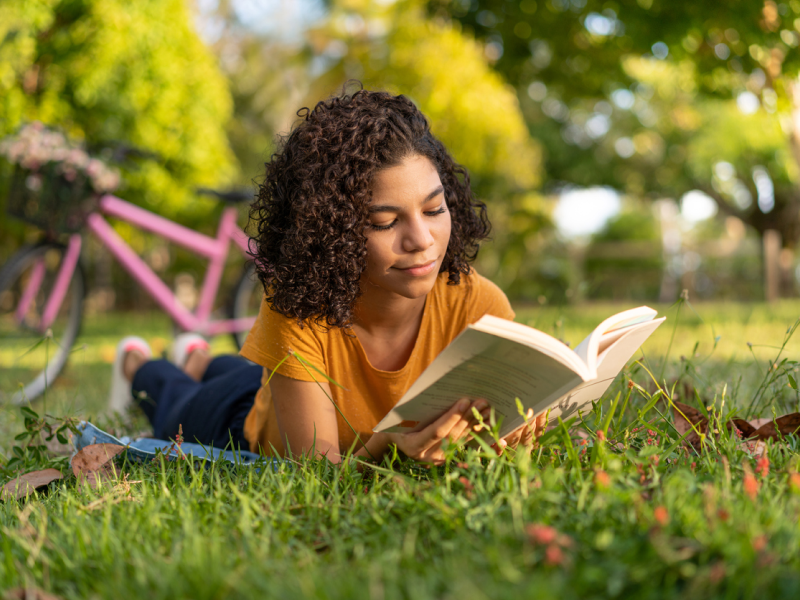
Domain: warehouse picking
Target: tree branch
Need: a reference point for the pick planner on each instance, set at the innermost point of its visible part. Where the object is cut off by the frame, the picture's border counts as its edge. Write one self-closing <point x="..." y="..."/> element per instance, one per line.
<point x="723" y="205"/>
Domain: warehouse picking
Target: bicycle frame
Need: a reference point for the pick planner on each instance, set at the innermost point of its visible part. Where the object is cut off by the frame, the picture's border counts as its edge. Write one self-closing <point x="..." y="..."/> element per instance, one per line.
<point x="214" y="249"/>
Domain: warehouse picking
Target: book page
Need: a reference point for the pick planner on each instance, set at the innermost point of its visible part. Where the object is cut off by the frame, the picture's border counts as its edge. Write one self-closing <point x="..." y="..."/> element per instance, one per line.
<point x="620" y="348"/>
<point x="609" y="331"/>
<point x="533" y="338"/>
<point x="481" y="365"/>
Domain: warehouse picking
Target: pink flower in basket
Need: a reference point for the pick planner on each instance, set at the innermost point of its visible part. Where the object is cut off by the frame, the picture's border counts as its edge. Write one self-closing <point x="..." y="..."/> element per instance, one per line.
<point x="35" y="146"/>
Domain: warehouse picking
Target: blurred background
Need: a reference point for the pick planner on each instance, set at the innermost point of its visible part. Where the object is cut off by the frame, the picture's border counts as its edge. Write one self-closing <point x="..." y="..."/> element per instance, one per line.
<point x="628" y="150"/>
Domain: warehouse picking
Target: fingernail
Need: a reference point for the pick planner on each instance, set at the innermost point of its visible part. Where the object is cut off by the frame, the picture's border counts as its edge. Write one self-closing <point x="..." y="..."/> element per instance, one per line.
<point x="463" y="404"/>
<point x="481" y="404"/>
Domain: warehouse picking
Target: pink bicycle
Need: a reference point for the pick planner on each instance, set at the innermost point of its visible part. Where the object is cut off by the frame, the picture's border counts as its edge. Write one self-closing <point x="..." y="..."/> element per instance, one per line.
<point x="42" y="286"/>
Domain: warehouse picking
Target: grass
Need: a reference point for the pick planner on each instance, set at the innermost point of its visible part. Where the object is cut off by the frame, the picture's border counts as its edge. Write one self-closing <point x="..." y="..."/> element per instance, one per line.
<point x="638" y="515"/>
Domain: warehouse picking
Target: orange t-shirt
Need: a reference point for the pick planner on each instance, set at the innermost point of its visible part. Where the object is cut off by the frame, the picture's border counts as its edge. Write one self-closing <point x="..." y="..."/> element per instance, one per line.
<point x="369" y="393"/>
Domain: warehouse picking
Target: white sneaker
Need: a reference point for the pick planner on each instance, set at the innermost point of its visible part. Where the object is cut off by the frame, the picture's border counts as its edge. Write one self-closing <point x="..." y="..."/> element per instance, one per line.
<point x="184" y="345"/>
<point x="120" y="397"/>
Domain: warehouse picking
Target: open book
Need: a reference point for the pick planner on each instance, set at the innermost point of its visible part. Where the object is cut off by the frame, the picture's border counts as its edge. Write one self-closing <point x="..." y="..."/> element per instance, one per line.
<point x="500" y="360"/>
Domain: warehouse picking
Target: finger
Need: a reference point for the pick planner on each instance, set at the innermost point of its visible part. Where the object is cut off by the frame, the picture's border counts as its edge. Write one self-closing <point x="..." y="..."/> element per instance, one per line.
<point x="513" y="438"/>
<point x="517" y="433"/>
<point x="477" y="425"/>
<point x="541" y="423"/>
<point x="482" y="408"/>
<point x="527" y="437"/>
<point x="462" y="427"/>
<point x="499" y="447"/>
<point x="527" y="432"/>
<point x="441" y="427"/>
<point x="485" y="419"/>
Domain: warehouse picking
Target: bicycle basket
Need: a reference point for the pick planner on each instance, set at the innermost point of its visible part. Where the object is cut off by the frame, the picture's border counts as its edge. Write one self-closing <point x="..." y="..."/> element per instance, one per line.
<point x="46" y="199"/>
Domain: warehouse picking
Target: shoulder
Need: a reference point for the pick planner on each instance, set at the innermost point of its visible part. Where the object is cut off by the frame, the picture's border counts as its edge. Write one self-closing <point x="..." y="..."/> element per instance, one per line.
<point x="474" y="296"/>
<point x="274" y="336"/>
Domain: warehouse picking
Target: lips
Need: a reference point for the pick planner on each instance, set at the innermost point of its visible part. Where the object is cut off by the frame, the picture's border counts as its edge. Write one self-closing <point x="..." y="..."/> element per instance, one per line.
<point x="419" y="269"/>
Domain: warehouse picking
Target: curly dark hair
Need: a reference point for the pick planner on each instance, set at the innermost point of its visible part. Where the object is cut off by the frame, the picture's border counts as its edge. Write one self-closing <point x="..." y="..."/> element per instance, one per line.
<point x="311" y="209"/>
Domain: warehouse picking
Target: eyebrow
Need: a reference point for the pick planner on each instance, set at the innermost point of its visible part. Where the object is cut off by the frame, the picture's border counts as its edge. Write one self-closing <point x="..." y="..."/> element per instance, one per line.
<point x="389" y="208"/>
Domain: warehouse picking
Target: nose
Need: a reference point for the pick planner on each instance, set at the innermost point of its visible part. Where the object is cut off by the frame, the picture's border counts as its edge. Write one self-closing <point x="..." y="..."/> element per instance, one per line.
<point x="417" y="236"/>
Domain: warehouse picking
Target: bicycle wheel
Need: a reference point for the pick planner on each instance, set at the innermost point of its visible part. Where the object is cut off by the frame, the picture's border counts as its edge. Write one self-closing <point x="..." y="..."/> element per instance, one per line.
<point x="32" y="357"/>
<point x="246" y="300"/>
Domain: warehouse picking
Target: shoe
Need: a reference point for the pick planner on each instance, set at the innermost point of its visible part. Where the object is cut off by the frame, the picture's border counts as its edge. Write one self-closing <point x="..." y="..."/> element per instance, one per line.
<point x="120" y="396"/>
<point x="184" y="345"/>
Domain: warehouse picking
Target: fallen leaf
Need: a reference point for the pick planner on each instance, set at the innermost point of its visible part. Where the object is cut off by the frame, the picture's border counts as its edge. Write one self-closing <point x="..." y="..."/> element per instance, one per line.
<point x="689" y="420"/>
<point x="746" y="428"/>
<point x="785" y="425"/>
<point x="94" y="464"/>
<point x="24" y="485"/>
<point x="29" y="594"/>
<point x="756" y="423"/>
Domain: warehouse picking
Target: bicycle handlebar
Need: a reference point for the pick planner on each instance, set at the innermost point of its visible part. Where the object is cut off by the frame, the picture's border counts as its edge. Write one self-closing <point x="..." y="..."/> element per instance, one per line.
<point x="121" y="151"/>
<point x="118" y="152"/>
<point x="233" y="196"/>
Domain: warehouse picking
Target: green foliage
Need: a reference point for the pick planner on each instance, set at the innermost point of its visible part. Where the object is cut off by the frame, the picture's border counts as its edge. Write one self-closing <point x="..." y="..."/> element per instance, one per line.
<point x="134" y="72"/>
<point x="30" y="449"/>
<point x="623" y="260"/>
<point x="744" y="141"/>
<point x="625" y="94"/>
<point x="393" y="46"/>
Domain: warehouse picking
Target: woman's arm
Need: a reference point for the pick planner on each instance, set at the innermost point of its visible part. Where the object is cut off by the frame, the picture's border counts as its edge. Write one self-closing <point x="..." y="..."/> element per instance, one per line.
<point x="307" y="420"/>
<point x="306" y="417"/>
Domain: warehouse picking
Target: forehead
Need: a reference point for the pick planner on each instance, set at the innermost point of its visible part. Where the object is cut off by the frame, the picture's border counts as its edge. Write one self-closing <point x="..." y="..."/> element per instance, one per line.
<point x="413" y="179"/>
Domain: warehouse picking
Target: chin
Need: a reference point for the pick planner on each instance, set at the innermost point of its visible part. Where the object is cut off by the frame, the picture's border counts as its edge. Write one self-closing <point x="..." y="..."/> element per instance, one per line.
<point x="417" y="289"/>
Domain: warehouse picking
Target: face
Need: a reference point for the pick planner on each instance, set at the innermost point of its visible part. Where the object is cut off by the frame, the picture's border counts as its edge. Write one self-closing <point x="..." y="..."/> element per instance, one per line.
<point x="409" y="229"/>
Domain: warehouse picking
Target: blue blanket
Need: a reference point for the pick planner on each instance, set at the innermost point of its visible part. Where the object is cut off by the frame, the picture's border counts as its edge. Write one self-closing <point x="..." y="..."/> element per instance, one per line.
<point x="145" y="448"/>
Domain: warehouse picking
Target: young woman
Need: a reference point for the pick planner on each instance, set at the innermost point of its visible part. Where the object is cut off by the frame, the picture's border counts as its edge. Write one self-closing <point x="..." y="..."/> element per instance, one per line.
<point x="366" y="228"/>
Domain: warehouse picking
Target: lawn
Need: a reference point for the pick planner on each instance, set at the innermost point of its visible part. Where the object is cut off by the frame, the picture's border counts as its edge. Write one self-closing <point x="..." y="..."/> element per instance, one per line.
<point x="629" y="513"/>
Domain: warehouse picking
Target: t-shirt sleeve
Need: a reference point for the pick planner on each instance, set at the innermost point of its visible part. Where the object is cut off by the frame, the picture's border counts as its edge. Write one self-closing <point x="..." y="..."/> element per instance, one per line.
<point x="274" y="336"/>
<point x="488" y="299"/>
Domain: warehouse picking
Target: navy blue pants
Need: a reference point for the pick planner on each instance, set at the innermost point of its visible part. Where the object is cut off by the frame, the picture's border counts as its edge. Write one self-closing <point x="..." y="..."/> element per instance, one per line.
<point x="211" y="411"/>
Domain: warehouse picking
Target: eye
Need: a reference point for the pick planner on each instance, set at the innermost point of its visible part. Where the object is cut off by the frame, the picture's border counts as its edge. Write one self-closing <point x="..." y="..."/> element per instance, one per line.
<point x="433" y="213"/>
<point x="382" y="227"/>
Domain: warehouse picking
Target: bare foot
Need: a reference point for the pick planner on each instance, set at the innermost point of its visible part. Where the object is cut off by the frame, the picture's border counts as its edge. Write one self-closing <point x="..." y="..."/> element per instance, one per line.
<point x="133" y="360"/>
<point x="197" y="363"/>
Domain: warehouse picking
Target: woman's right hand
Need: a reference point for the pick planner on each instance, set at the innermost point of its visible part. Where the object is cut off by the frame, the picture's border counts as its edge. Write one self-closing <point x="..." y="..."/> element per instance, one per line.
<point x="426" y="445"/>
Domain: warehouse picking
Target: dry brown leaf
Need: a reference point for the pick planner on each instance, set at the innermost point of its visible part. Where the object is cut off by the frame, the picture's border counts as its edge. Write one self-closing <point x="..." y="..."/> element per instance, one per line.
<point x="691" y="420"/>
<point x="785" y="425"/>
<point x="747" y="429"/>
<point x="24" y="485"/>
<point x="756" y="423"/>
<point x="29" y="594"/>
<point x="94" y="464"/>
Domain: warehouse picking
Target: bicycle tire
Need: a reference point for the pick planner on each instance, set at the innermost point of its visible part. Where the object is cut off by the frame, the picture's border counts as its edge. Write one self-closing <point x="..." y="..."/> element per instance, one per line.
<point x="246" y="300"/>
<point x="39" y="368"/>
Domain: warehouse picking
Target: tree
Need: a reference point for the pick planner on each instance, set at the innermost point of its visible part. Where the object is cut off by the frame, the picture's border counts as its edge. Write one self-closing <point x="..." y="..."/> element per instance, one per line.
<point x="135" y="72"/>
<point x="636" y="94"/>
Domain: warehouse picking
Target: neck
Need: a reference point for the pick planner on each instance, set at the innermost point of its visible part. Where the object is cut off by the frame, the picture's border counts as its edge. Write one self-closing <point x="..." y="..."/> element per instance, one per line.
<point x="384" y="313"/>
